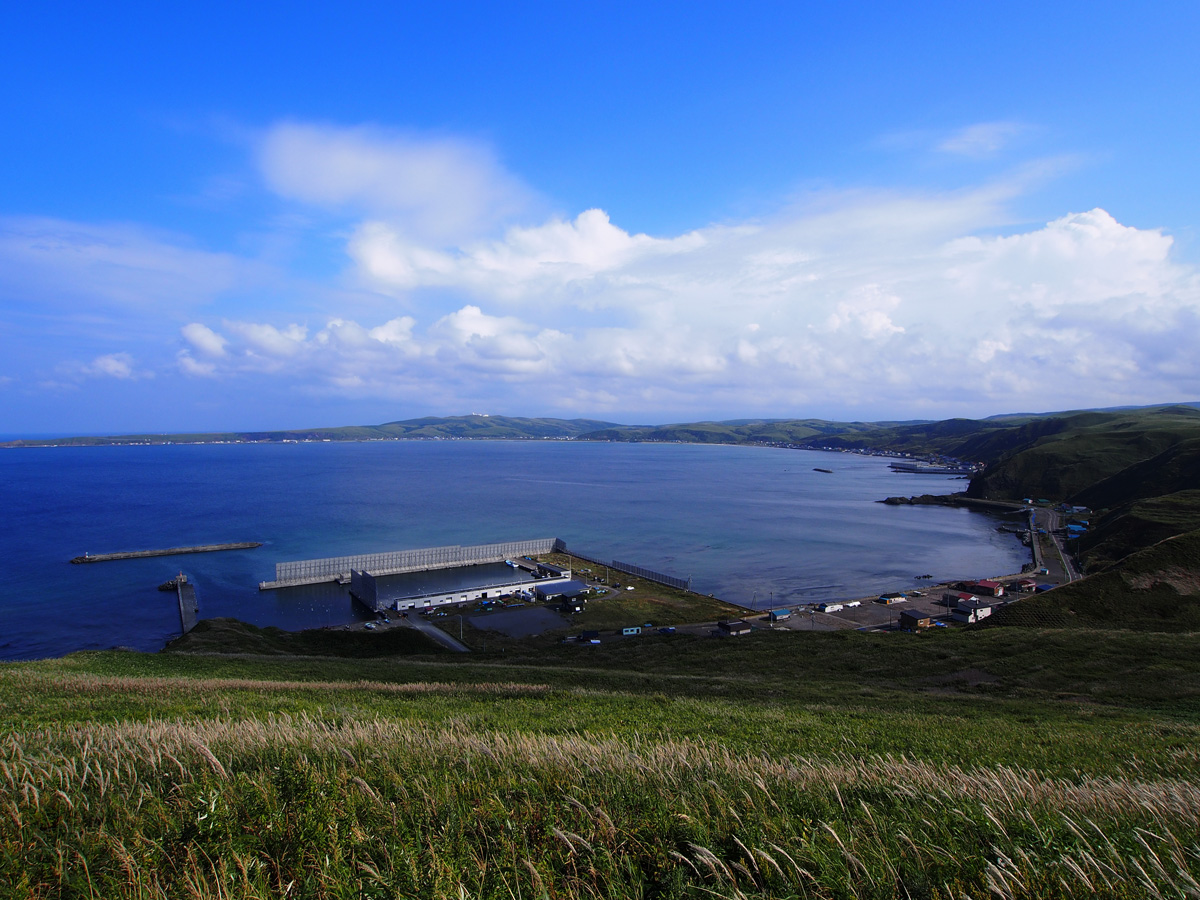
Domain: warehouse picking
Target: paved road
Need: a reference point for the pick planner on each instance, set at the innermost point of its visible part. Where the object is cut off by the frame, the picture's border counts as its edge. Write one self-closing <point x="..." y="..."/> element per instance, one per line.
<point x="1054" y="557"/>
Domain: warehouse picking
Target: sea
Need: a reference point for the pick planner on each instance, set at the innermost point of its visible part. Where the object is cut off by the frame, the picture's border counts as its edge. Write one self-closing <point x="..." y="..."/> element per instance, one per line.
<point x="753" y="525"/>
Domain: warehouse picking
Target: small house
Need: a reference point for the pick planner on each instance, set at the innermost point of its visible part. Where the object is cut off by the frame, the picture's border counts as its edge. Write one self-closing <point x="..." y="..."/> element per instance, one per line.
<point x="953" y="598"/>
<point x="889" y="599"/>
<point x="631" y="630"/>
<point x="734" y="627"/>
<point x="975" y="603"/>
<point x="912" y="620"/>
<point x="987" y="588"/>
<point x="779" y="615"/>
<point x="971" y="614"/>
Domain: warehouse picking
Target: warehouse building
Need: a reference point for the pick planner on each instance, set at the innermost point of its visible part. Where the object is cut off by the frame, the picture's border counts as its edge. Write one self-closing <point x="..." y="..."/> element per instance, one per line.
<point x="435" y="588"/>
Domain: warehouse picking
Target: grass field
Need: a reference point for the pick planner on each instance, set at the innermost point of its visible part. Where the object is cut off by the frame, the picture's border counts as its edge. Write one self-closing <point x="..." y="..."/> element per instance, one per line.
<point x="993" y="763"/>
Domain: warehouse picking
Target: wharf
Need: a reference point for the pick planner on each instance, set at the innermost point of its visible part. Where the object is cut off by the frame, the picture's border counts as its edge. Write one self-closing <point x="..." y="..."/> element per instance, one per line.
<point x="170" y="551"/>
<point x="188" y="607"/>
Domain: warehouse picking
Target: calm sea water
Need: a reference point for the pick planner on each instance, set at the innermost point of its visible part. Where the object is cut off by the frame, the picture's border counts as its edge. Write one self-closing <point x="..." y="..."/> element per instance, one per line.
<point x="752" y="525"/>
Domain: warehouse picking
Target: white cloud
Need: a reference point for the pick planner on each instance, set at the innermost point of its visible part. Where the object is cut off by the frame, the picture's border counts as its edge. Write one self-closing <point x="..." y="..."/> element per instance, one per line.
<point x="204" y="339"/>
<point x="434" y="188"/>
<point x="113" y="365"/>
<point x="49" y="262"/>
<point x="555" y="255"/>
<point x="982" y="139"/>
<point x="269" y="341"/>
<point x="189" y="365"/>
<point x="890" y="307"/>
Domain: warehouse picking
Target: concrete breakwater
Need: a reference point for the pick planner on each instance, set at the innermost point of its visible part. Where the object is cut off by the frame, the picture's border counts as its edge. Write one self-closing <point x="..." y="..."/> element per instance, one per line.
<point x="189" y="609"/>
<point x="169" y="551"/>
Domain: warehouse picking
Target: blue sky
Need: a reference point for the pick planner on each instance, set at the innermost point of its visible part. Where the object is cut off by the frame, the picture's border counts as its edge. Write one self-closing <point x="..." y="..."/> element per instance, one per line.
<point x="221" y="218"/>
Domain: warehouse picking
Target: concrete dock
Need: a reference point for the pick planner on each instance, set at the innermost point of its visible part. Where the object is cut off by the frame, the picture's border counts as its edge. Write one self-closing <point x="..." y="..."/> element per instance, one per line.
<point x="188" y="607"/>
<point x="170" y="551"/>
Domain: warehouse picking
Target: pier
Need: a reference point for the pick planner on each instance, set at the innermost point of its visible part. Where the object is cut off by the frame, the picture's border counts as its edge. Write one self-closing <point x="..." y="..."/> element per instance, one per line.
<point x="170" y="551"/>
<point x="188" y="607"/>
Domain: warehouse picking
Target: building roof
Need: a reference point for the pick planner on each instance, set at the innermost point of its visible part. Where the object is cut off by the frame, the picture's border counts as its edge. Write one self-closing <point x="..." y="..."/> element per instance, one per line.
<point x="562" y="589"/>
<point x="975" y="603"/>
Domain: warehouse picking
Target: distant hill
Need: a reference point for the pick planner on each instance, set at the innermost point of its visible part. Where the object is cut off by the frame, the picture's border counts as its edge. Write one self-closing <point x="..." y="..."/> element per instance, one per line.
<point x="808" y="432"/>
<point x="476" y="427"/>
<point x="1094" y="459"/>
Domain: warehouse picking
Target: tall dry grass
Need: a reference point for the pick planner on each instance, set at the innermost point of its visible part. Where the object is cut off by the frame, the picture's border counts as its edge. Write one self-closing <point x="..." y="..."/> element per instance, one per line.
<point x="312" y="806"/>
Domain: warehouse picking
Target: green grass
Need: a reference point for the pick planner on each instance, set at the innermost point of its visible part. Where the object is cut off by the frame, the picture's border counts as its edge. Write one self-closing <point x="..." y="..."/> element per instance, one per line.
<point x="231" y="636"/>
<point x="649" y="601"/>
<point x="992" y="763"/>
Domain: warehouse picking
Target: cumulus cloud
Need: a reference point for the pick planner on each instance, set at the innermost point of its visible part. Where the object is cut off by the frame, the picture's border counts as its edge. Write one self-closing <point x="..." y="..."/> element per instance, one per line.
<point x="435" y="188"/>
<point x="889" y="308"/>
<point x="114" y="365"/>
<point x="557" y="254"/>
<point x="204" y="339"/>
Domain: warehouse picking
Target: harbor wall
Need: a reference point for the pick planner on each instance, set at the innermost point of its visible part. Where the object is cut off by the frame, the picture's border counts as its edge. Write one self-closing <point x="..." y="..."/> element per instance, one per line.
<point x="398" y="562"/>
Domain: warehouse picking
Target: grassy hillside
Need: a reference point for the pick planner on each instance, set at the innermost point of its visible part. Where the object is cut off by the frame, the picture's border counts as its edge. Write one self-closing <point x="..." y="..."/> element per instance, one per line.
<point x="1155" y="589"/>
<point x="1096" y="459"/>
<point x="230" y="636"/>
<point x="1136" y="526"/>
<point x="782" y="765"/>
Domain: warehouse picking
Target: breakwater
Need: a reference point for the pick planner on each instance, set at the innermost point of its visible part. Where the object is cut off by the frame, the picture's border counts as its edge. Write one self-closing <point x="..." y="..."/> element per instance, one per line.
<point x="169" y="551"/>
<point x="185" y="592"/>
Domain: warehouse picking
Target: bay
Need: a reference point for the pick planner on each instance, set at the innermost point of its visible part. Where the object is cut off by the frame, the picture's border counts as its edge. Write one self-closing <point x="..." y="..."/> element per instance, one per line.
<point x="756" y="526"/>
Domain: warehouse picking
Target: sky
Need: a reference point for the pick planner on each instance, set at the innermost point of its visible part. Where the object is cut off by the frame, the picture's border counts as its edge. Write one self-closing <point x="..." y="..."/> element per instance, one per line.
<point x="263" y="216"/>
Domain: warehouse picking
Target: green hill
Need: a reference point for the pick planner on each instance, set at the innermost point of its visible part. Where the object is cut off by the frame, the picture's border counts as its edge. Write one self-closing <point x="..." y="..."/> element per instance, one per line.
<point x="1136" y="526"/>
<point x="1155" y="589"/>
<point x="1073" y="457"/>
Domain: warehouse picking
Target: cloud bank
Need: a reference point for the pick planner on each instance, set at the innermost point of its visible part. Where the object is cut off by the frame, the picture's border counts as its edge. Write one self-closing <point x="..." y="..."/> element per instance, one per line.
<point x="449" y="291"/>
<point x="888" y="305"/>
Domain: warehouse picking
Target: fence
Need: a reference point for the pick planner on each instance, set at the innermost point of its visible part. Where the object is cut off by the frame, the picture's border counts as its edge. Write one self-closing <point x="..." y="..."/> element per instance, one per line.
<point x="684" y="584"/>
<point x="649" y="574"/>
<point x="308" y="571"/>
